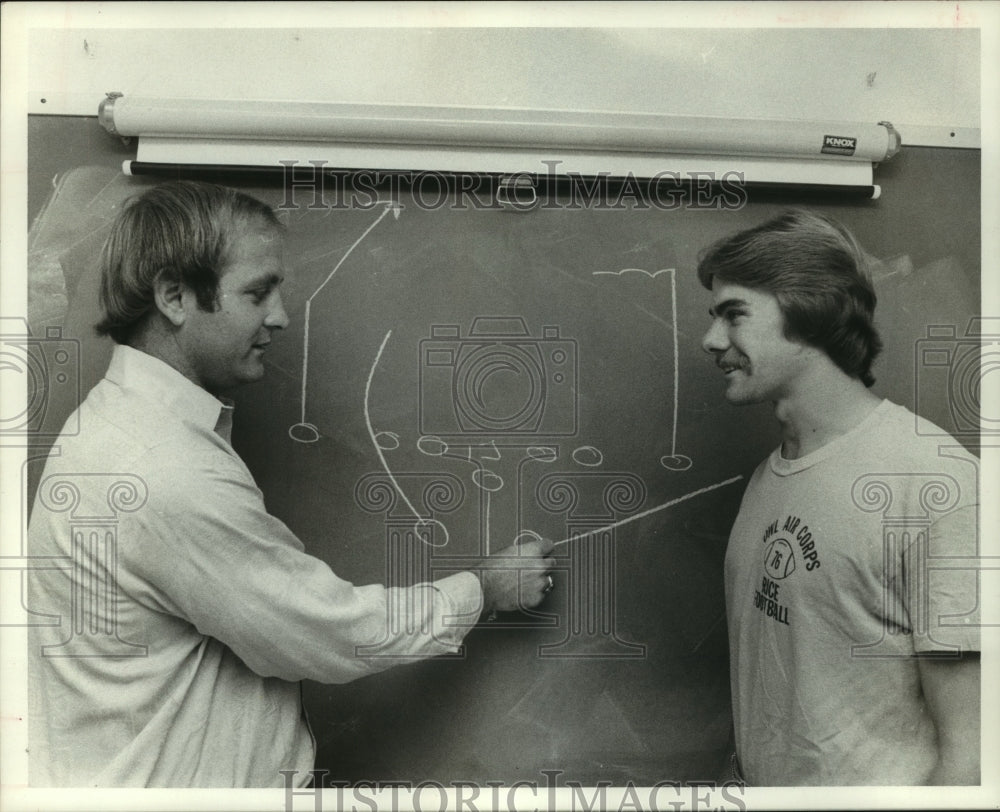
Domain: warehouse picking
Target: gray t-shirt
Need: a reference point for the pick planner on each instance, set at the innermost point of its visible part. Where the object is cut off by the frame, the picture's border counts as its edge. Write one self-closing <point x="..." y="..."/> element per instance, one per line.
<point x="835" y="579"/>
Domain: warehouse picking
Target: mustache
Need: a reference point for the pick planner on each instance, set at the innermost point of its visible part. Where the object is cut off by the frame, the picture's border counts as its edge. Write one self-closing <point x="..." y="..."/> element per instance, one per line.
<point x="732" y="361"/>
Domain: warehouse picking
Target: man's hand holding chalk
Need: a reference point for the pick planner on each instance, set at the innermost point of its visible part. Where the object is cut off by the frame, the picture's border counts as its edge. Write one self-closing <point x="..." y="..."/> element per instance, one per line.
<point x="517" y="577"/>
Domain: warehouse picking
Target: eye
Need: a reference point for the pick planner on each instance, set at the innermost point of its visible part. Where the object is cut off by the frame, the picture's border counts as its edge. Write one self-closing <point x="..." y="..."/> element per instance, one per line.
<point x="260" y="295"/>
<point x="733" y="315"/>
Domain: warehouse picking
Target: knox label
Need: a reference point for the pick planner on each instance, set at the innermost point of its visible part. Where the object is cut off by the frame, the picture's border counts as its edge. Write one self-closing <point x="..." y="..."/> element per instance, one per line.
<point x="839" y="145"/>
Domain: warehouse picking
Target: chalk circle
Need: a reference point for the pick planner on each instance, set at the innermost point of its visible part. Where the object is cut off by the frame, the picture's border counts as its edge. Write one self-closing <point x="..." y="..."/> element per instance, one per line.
<point x="304" y="433"/>
<point x="422" y="523"/>
<point x="676" y="462"/>
<point x="542" y="453"/>
<point x="588" y="455"/>
<point x="432" y="446"/>
<point x="527" y="535"/>
<point x="387" y="440"/>
<point x="487" y="480"/>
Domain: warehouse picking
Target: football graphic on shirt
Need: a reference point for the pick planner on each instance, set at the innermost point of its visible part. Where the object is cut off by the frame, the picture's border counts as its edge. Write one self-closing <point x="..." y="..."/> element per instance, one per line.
<point x="779" y="561"/>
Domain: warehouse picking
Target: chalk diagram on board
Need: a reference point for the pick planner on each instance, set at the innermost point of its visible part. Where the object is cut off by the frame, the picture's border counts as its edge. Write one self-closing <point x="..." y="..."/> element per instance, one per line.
<point x="303" y="431"/>
<point x="504" y="442"/>
<point x="487" y="480"/>
<point x="672" y="461"/>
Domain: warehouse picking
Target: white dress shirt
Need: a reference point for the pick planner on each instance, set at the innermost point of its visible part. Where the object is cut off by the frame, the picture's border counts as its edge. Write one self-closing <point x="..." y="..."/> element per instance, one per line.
<point x="182" y="616"/>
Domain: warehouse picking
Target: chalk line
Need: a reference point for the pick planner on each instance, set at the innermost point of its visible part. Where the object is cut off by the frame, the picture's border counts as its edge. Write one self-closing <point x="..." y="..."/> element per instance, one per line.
<point x="305" y="339"/>
<point x="673" y="313"/>
<point x="305" y="359"/>
<point x="656" y="509"/>
<point x="676" y="350"/>
<point x="378" y="449"/>
<point x="706" y="635"/>
<point x="388" y="207"/>
<point x="651" y="275"/>
<point x="487" y="524"/>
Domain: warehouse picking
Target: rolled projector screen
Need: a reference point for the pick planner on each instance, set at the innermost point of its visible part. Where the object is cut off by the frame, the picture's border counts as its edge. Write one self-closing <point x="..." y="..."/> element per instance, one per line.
<point x="482" y="127"/>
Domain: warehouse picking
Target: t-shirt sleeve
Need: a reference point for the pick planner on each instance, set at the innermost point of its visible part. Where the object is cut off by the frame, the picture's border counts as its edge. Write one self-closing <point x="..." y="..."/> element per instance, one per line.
<point x="943" y="585"/>
<point x="205" y="549"/>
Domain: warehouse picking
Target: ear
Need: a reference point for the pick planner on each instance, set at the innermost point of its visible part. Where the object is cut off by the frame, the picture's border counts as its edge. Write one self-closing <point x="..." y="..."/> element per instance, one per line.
<point x="169" y="295"/>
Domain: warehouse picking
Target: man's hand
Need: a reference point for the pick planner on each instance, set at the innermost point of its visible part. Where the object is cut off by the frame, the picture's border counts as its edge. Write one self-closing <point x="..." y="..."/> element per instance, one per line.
<point x="517" y="577"/>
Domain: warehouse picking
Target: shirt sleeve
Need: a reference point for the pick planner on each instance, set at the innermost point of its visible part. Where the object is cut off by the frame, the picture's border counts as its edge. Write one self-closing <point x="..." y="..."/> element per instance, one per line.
<point x="205" y="549"/>
<point x="941" y="573"/>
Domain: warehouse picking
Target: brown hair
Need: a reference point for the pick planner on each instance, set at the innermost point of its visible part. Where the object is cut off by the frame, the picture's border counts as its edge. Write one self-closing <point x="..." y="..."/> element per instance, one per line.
<point x="817" y="271"/>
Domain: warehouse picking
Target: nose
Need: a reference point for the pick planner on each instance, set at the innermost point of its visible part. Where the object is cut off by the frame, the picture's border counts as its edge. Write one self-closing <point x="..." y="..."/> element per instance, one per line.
<point x="277" y="318"/>
<point x="715" y="340"/>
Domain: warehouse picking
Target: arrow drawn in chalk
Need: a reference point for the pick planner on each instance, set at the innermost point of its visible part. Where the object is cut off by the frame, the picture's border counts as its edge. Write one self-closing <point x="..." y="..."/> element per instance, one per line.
<point x="304" y="432"/>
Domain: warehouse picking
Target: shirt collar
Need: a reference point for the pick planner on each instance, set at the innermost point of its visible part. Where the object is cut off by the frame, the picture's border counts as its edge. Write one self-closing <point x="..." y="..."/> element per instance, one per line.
<point x="784" y="467"/>
<point x="158" y="381"/>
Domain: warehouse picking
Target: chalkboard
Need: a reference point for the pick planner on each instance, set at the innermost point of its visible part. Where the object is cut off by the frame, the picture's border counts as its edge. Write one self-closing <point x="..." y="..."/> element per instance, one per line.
<point x="455" y="378"/>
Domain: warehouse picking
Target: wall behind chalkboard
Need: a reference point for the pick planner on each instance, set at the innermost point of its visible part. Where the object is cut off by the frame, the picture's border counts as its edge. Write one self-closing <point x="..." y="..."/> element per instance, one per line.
<point x="471" y="376"/>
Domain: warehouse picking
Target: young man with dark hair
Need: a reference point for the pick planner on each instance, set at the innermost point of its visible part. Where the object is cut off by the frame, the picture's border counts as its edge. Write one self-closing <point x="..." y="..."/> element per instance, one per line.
<point x="853" y="660"/>
<point x="190" y="614"/>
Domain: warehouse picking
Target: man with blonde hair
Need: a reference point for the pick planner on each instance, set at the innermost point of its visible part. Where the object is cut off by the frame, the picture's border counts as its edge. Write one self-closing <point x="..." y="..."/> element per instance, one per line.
<point x="187" y="633"/>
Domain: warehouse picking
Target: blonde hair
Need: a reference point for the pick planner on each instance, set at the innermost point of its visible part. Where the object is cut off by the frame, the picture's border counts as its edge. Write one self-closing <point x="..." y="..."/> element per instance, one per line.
<point x="182" y="229"/>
